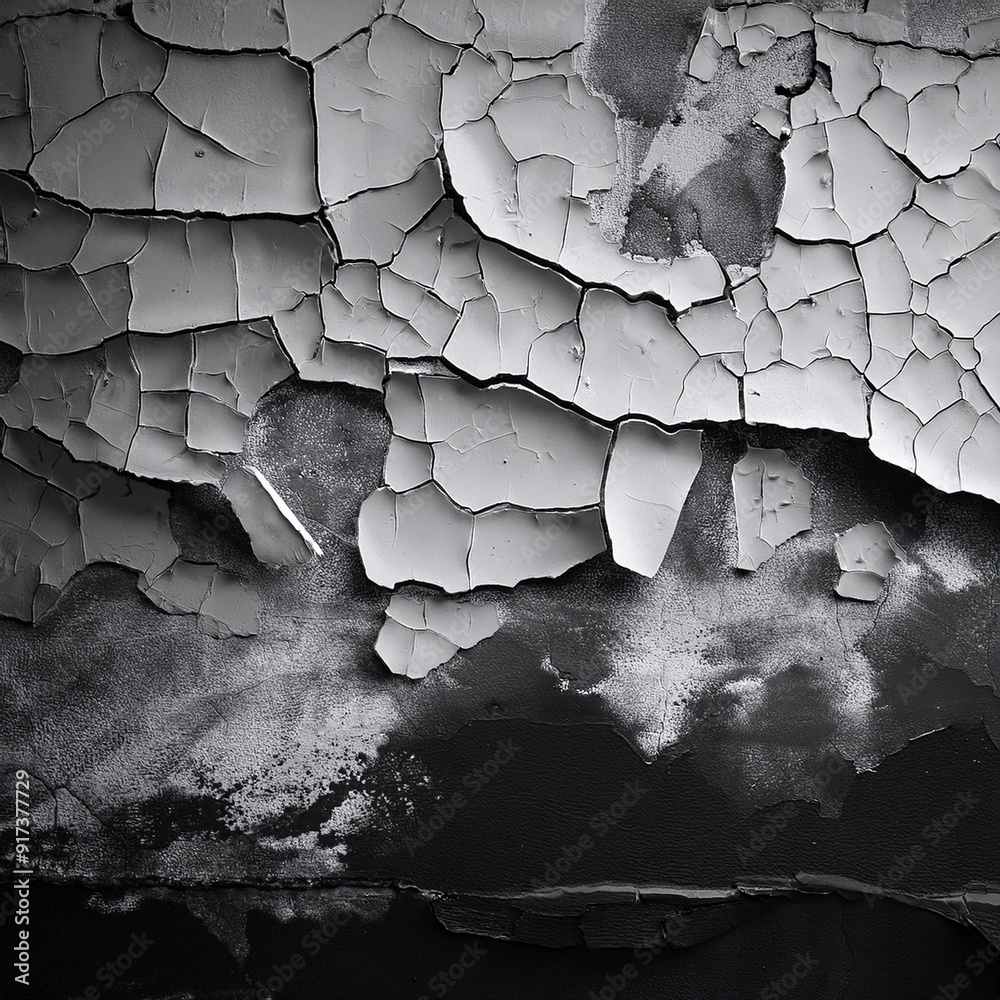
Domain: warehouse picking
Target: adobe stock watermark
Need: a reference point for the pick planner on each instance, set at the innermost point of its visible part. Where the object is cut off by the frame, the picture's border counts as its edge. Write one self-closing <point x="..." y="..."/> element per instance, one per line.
<point x="444" y="979"/>
<point x="123" y="108"/>
<point x="538" y="199"/>
<point x="921" y="677"/>
<point x="601" y="824"/>
<point x="977" y="963"/>
<point x="312" y="943"/>
<point x="55" y="341"/>
<point x="19" y="906"/>
<point x="110" y="972"/>
<point x="966" y="288"/>
<point x="617" y="982"/>
<point x="931" y="835"/>
<point x="879" y="211"/>
<point x="473" y="782"/>
<point x="764" y="835"/>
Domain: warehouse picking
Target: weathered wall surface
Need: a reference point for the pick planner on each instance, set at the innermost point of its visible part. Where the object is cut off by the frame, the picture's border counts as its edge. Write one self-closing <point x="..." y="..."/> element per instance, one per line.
<point x="511" y="486"/>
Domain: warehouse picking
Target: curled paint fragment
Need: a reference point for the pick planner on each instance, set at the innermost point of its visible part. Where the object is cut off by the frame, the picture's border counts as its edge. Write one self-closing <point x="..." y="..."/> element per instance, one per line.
<point x="649" y="475"/>
<point x="420" y="635"/>
<point x="420" y="535"/>
<point x="867" y="554"/>
<point x="154" y="406"/>
<point x="276" y="534"/>
<point x="750" y="28"/>
<point x="500" y="445"/>
<point x="983" y="36"/>
<point x="225" y="604"/>
<point x="58" y="515"/>
<point x="773" y="503"/>
<point x="773" y="120"/>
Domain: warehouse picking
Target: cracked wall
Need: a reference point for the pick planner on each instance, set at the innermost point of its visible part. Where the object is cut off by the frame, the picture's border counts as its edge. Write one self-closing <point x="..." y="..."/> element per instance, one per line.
<point x="382" y="340"/>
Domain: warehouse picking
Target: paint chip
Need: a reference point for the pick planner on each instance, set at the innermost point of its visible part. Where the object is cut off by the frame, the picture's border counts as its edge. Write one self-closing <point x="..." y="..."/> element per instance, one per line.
<point x="649" y="475"/>
<point x="773" y="503"/>
<point x="276" y="534"/>
<point x="420" y="635"/>
<point x="866" y="555"/>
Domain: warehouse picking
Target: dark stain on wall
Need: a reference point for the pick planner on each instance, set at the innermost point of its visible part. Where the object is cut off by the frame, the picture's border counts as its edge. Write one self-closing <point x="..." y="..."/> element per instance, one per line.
<point x="729" y="207"/>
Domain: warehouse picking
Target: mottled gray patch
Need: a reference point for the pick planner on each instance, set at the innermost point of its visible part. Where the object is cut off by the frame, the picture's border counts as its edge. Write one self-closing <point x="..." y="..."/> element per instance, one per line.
<point x="10" y="367"/>
<point x="729" y="206"/>
<point x="698" y="171"/>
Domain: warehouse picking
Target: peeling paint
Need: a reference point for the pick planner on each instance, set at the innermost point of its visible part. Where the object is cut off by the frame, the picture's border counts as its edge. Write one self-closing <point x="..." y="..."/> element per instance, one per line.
<point x="419" y="636"/>
<point x="233" y="234"/>
<point x="866" y="554"/>
<point x="773" y="503"/>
